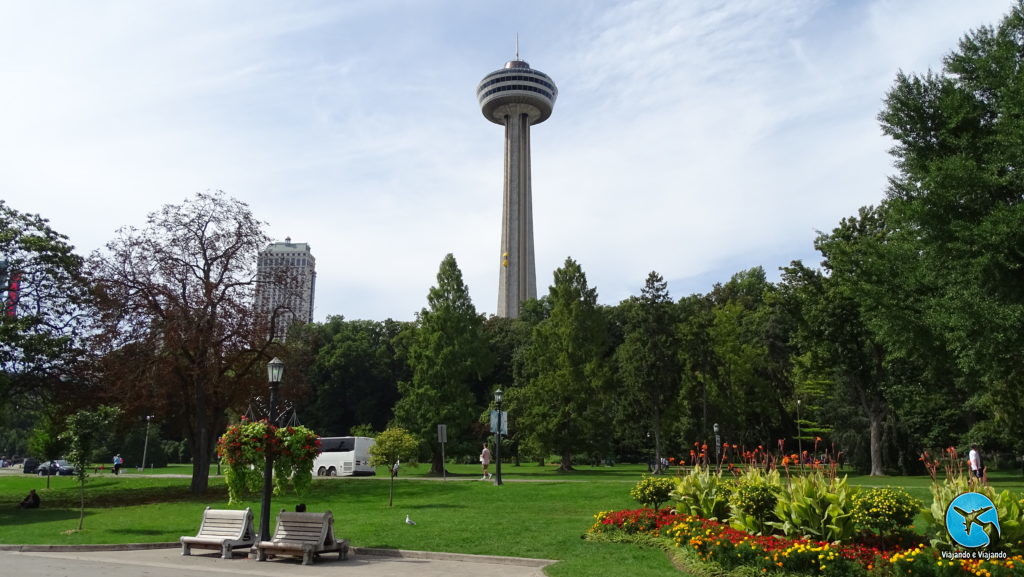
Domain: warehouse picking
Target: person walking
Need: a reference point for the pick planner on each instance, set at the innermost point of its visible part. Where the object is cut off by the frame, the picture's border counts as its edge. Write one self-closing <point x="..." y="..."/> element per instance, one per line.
<point x="485" y="461"/>
<point x="118" y="461"/>
<point x="975" y="462"/>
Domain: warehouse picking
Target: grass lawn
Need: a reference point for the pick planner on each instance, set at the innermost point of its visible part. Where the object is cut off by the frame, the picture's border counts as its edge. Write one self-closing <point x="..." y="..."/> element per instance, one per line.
<point x="537" y="513"/>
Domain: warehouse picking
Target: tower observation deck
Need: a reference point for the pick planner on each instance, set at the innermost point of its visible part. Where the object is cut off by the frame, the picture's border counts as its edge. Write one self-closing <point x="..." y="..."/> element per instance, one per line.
<point x="516" y="97"/>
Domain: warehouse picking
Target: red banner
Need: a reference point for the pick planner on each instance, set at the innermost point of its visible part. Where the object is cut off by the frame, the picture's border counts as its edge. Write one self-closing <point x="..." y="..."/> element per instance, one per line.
<point x="13" y="289"/>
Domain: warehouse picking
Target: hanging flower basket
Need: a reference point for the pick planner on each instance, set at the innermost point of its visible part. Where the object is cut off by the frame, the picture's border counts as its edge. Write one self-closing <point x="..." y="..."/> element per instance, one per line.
<point x="242" y="451"/>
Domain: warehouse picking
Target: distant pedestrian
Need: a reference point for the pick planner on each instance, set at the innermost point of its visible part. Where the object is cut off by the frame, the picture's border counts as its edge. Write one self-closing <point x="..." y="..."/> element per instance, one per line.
<point x="31" y="501"/>
<point x="485" y="461"/>
<point x="975" y="461"/>
<point x="118" y="461"/>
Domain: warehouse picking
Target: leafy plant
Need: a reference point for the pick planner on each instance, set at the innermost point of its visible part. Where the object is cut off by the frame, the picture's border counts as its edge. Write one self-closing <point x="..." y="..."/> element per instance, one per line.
<point x="83" y="432"/>
<point x="242" y="450"/>
<point x="390" y="448"/>
<point x="753" y="503"/>
<point x="653" y="491"/>
<point x="703" y="494"/>
<point x="816" y="506"/>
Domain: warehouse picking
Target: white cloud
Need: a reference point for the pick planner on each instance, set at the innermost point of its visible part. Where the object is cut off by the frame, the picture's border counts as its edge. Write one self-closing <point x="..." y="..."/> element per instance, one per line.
<point x="691" y="138"/>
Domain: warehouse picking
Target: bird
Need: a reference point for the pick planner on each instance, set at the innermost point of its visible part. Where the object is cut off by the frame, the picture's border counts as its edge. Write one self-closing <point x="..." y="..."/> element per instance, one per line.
<point x="409" y="521"/>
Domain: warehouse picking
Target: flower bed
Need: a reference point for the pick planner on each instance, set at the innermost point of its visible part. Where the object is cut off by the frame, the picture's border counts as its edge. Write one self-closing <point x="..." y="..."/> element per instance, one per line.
<point x="721" y="544"/>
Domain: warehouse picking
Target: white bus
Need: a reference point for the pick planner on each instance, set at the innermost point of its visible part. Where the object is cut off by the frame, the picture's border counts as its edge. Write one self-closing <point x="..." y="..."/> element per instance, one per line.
<point x="343" y="456"/>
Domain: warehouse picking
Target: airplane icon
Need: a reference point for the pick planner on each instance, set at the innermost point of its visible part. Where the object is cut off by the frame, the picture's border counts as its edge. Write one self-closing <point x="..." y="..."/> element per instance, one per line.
<point x="971" y="518"/>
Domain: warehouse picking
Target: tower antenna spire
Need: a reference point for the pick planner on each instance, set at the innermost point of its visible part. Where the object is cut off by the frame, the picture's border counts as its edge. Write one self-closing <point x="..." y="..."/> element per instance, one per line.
<point x="517" y="46"/>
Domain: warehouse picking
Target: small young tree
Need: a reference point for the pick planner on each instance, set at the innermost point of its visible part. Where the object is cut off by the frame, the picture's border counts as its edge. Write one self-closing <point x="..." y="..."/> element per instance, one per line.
<point x="83" y="432"/>
<point x="46" y="441"/>
<point x="392" y="446"/>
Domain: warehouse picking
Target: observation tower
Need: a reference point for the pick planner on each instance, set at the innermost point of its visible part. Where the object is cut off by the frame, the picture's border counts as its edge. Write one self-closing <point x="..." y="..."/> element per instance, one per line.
<point x="516" y="97"/>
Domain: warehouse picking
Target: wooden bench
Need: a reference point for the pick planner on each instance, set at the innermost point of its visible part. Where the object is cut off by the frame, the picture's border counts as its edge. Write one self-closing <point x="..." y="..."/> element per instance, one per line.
<point x="305" y="534"/>
<point x="222" y="529"/>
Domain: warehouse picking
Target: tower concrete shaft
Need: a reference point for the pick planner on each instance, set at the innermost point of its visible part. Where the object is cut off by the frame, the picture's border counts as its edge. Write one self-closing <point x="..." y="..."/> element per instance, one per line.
<point x="517" y="280"/>
<point x="517" y="97"/>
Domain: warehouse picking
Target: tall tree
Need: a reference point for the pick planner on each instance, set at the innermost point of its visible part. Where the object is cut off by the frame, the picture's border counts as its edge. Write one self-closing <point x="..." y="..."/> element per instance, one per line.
<point x="567" y="365"/>
<point x="448" y="356"/>
<point x="959" y="196"/>
<point x="43" y="300"/>
<point x="648" y="360"/>
<point x="351" y="373"/>
<point x="177" y="323"/>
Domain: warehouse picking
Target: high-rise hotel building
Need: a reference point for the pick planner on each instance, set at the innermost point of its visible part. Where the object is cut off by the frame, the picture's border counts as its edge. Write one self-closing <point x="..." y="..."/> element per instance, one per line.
<point x="285" y="285"/>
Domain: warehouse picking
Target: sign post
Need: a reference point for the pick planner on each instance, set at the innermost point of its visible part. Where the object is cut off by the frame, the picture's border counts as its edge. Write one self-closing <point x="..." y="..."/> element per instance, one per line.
<point x="442" y="437"/>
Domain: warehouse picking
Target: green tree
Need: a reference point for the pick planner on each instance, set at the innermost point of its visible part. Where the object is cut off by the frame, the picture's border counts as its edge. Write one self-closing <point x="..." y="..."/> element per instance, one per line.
<point x="84" y="432"/>
<point x="351" y="373"/>
<point x="448" y="356"/>
<point x="957" y="199"/>
<point x="46" y="442"/>
<point x="833" y="331"/>
<point x="748" y="384"/>
<point x="648" y="361"/>
<point x="564" y="403"/>
<point x="391" y="447"/>
<point x="43" y="300"/>
<point x="177" y="332"/>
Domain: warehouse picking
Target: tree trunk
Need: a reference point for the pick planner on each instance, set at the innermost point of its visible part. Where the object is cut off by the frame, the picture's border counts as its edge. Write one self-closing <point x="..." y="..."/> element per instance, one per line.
<point x="436" y="464"/>
<point x="657" y="441"/>
<point x="200" y="447"/>
<point x="391" y="489"/>
<point x="876" y="442"/>
<point x="81" y="509"/>
<point x="566" y="465"/>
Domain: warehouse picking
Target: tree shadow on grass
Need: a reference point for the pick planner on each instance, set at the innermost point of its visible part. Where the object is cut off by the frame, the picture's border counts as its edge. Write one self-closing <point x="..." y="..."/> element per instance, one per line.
<point x="152" y="532"/>
<point x="30" y="516"/>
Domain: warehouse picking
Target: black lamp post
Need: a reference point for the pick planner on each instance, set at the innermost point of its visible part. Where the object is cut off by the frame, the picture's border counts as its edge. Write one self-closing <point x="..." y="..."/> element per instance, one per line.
<point x="799" y="436"/>
<point x="145" y="445"/>
<point x="275" y="369"/>
<point x="499" y="396"/>
<point x="718" y="445"/>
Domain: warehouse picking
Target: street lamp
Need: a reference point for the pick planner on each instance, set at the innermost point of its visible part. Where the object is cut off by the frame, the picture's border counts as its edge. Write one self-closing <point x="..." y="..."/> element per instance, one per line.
<point x="718" y="444"/>
<point x="145" y="445"/>
<point x="275" y="369"/>
<point x="799" y="433"/>
<point x="499" y="396"/>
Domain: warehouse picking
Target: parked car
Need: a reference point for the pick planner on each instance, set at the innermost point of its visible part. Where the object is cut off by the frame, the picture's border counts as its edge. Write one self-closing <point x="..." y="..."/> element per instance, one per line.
<point x="31" y="466"/>
<point x="58" y="467"/>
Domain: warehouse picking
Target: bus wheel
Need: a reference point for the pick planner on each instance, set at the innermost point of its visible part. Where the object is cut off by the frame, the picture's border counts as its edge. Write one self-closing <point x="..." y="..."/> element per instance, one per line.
<point x="332" y="472"/>
<point x="321" y="472"/>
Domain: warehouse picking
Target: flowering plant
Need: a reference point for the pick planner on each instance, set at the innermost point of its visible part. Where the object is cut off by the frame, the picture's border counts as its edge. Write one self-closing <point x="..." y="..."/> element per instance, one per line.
<point x="242" y="450"/>
<point x="653" y="491"/>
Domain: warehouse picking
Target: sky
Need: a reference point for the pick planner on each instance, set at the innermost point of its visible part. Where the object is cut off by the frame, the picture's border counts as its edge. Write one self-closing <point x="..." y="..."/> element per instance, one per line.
<point x="695" y="138"/>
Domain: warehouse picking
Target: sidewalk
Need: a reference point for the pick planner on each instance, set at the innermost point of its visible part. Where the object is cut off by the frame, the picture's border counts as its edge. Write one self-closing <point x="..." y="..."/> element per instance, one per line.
<point x="170" y="563"/>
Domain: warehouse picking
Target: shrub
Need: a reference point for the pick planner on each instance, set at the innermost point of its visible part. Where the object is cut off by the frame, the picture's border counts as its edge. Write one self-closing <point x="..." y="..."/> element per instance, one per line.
<point x="702" y="493"/>
<point x="884" y="509"/>
<point x="753" y="502"/>
<point x="653" y="491"/>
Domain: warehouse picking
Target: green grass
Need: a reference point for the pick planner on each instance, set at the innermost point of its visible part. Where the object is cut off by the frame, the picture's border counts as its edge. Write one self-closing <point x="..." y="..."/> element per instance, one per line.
<point x="537" y="513"/>
<point x="543" y="516"/>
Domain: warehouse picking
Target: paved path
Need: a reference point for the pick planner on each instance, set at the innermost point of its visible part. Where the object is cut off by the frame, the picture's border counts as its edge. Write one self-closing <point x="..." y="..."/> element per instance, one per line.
<point x="170" y="563"/>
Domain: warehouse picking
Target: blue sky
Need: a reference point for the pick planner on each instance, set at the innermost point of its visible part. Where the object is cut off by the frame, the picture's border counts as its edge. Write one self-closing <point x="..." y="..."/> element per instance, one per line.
<point x="697" y="138"/>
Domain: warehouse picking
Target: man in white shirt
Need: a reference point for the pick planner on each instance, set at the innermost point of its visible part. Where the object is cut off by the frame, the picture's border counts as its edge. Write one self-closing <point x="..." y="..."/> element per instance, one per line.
<point x="974" y="460"/>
